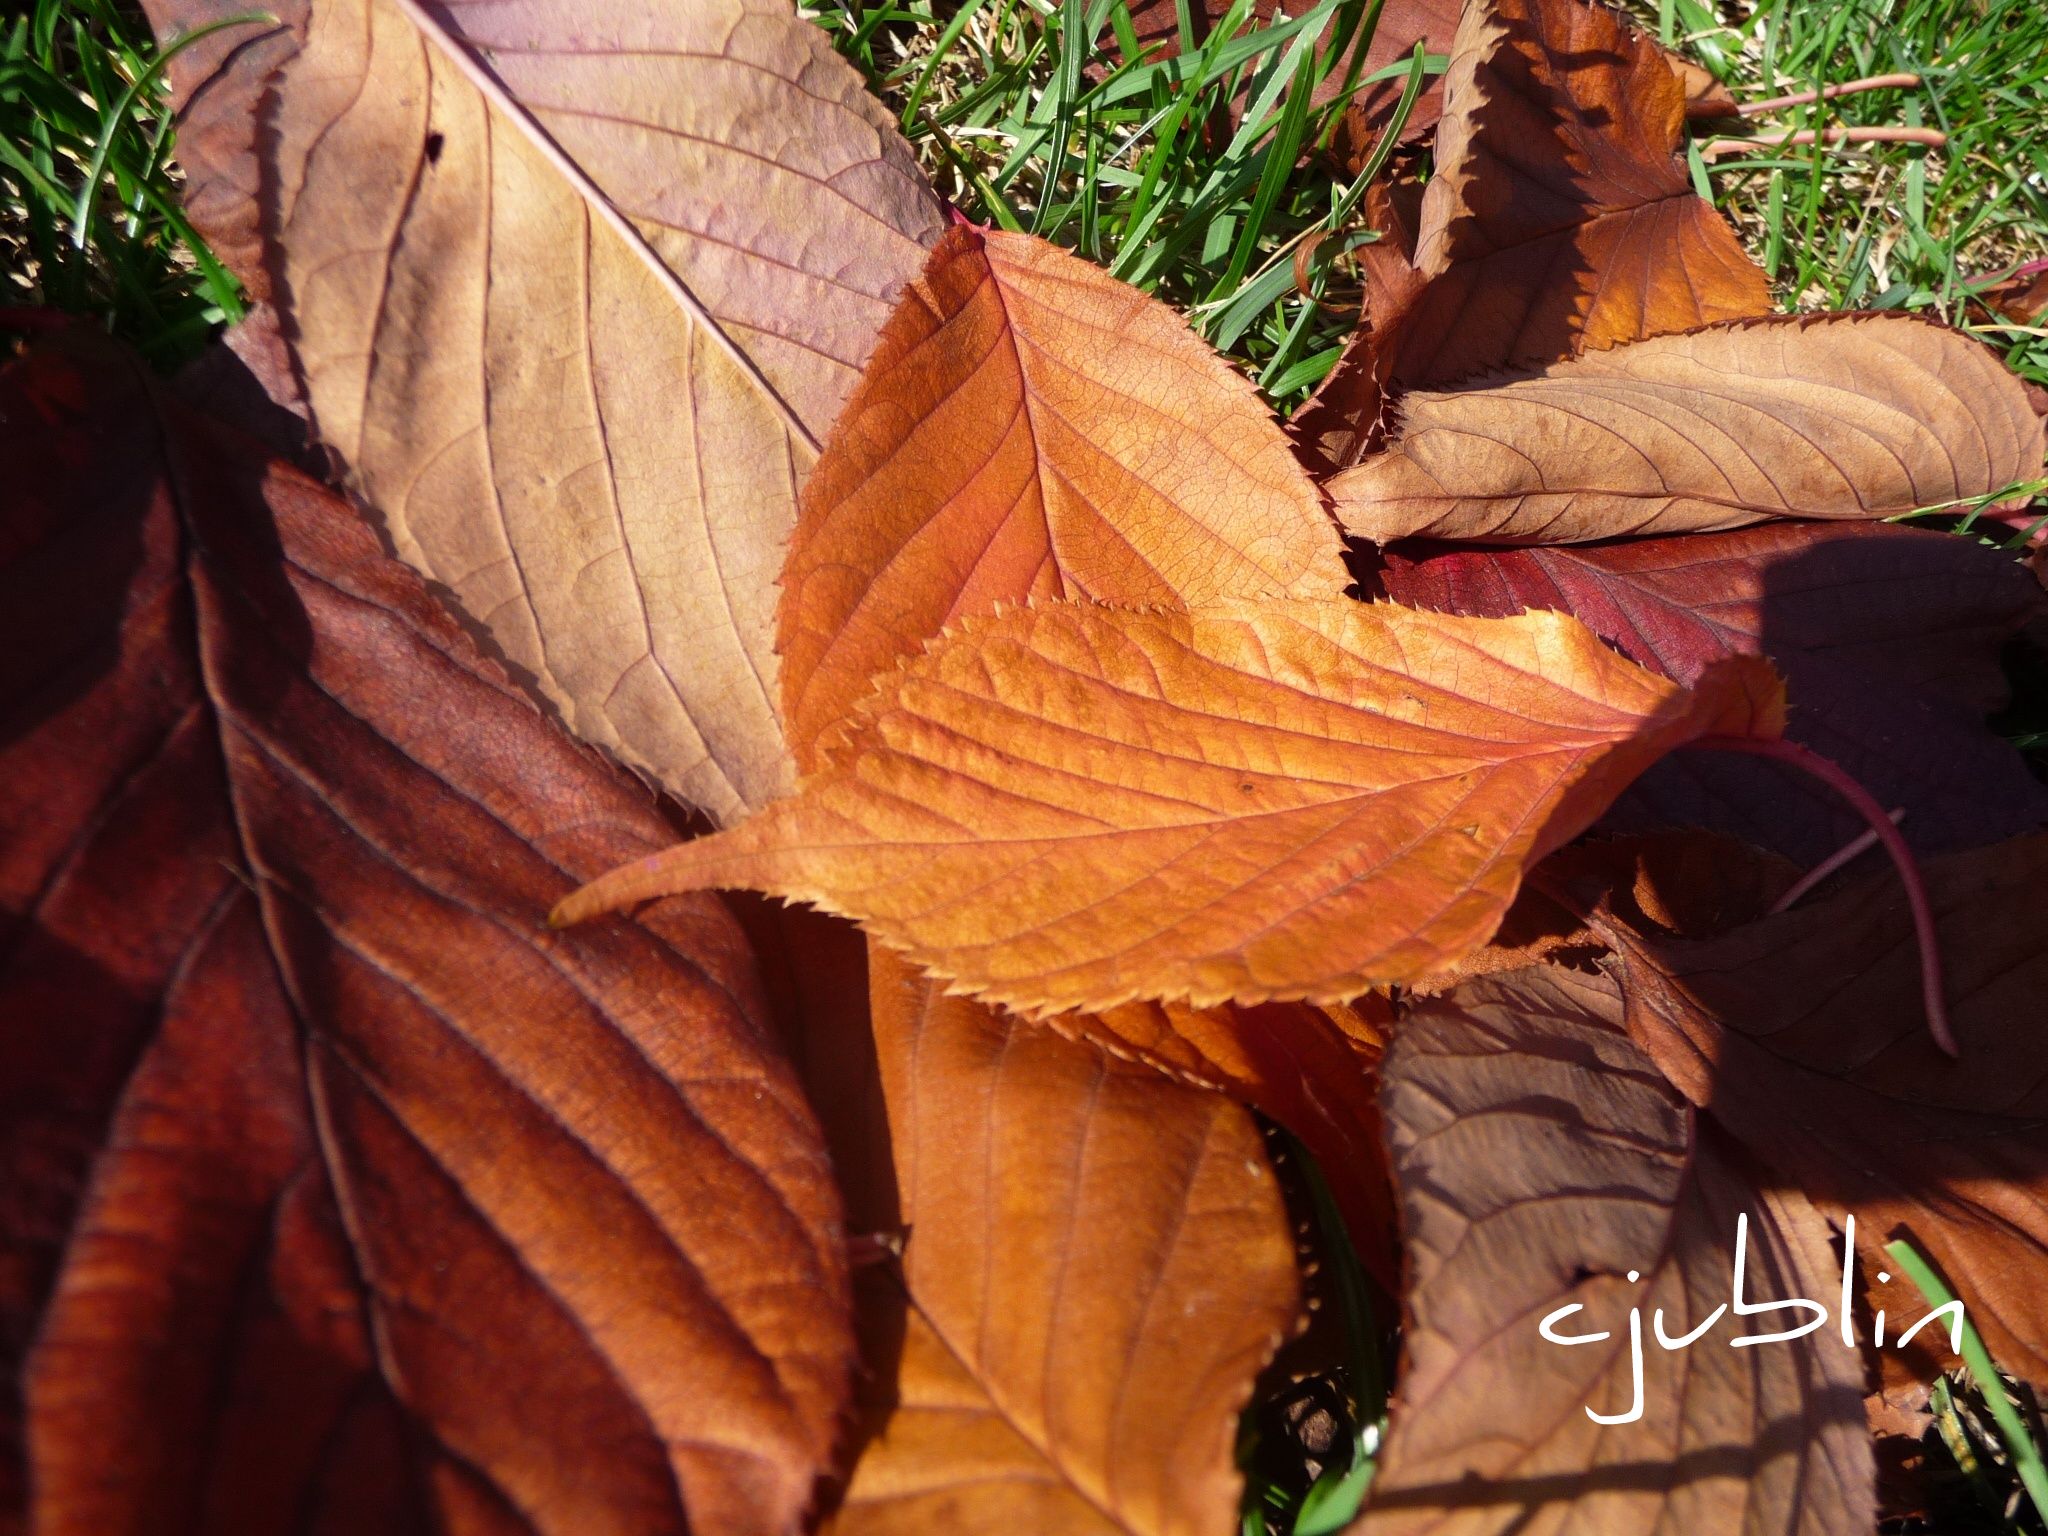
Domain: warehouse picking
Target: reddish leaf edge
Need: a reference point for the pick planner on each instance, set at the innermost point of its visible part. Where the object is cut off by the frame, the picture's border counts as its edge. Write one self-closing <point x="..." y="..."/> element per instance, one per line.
<point x="1886" y="831"/>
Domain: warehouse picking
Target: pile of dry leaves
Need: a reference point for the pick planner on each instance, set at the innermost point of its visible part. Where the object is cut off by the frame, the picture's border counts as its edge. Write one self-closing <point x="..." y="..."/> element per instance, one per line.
<point x="981" y="604"/>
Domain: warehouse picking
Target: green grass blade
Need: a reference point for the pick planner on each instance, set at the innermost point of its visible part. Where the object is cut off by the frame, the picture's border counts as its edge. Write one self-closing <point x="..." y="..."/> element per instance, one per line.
<point x="2012" y="1429"/>
<point x="124" y="105"/>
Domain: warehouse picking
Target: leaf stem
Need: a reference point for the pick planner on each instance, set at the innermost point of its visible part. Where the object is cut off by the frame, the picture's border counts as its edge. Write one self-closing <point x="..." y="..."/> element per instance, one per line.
<point x="1866" y="806"/>
<point x="1838" y="134"/>
<point x="1848" y="853"/>
<point x="1846" y="88"/>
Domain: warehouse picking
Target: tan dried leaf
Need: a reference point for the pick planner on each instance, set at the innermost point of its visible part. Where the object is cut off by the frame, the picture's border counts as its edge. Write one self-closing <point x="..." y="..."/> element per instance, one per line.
<point x="573" y="289"/>
<point x="1850" y="416"/>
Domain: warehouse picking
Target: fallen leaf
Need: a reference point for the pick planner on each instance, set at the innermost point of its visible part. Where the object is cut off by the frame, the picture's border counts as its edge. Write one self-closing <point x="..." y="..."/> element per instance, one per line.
<point x="1401" y="24"/>
<point x="1705" y="96"/>
<point x="1097" y="1264"/>
<point x="573" y="290"/>
<point x="341" y="1193"/>
<point x="1803" y="1035"/>
<point x="1900" y="1444"/>
<point x="248" y="380"/>
<point x="1543" y="1163"/>
<point x="1031" y="427"/>
<point x="978" y="1431"/>
<point x="1069" y="806"/>
<point x="1311" y="1069"/>
<point x="1851" y="416"/>
<point x="1889" y="640"/>
<point x="2021" y="296"/>
<point x="1535" y="928"/>
<point x="815" y="968"/>
<point x="1561" y="218"/>
<point x="1682" y="881"/>
<point x="1345" y="417"/>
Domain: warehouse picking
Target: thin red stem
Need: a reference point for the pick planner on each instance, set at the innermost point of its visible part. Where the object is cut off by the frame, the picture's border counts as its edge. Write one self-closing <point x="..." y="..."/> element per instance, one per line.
<point x="2034" y="268"/>
<point x="1848" y="853"/>
<point x="1866" y="806"/>
<point x="1846" y="88"/>
<point x="1836" y="135"/>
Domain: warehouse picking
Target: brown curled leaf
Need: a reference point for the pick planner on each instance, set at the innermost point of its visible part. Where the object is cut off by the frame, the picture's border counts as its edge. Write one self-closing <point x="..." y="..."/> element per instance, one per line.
<point x="1861" y="416"/>
<point x="1561" y="219"/>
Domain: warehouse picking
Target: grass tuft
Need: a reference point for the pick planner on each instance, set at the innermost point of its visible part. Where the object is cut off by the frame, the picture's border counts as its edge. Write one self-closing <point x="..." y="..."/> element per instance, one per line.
<point x="1194" y="178"/>
<point x="89" y="214"/>
<point x="2013" y="1443"/>
<point x="1887" y="226"/>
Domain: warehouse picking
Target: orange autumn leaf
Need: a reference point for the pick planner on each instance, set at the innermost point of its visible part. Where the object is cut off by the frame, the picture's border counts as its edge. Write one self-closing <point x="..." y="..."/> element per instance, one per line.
<point x="1096" y="1263"/>
<point x="1001" y="447"/>
<point x="1070" y="806"/>
<point x="1077" y="1165"/>
<point x="1313" y="1070"/>
<point x="1031" y="427"/>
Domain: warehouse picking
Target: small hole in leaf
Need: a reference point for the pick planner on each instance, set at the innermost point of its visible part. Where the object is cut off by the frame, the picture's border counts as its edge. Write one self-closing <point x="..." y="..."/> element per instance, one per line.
<point x="434" y="143"/>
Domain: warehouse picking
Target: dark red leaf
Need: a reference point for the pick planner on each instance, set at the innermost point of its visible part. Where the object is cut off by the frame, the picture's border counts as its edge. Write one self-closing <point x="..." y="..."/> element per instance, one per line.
<point x="1888" y="638"/>
<point x="341" y="1195"/>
